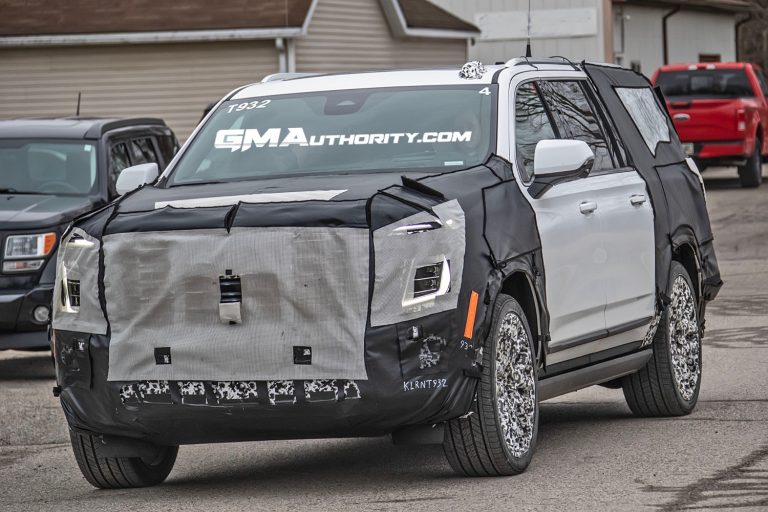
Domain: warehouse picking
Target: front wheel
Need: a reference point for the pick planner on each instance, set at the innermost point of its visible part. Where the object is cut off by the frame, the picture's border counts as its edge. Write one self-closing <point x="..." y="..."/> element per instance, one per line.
<point x="120" y="472"/>
<point x="669" y="384"/>
<point x="498" y="436"/>
<point x="751" y="174"/>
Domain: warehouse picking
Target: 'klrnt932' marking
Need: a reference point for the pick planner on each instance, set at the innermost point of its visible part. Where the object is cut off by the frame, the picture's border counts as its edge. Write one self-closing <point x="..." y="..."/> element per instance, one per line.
<point x="412" y="385"/>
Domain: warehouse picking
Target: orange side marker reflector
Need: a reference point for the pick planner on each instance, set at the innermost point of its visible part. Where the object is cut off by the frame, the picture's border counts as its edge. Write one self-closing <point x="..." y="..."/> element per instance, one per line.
<point x="49" y="239"/>
<point x="470" y="326"/>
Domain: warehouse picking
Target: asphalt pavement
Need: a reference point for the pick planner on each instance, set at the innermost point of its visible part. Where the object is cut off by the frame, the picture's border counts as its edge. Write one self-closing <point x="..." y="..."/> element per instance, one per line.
<point x="592" y="453"/>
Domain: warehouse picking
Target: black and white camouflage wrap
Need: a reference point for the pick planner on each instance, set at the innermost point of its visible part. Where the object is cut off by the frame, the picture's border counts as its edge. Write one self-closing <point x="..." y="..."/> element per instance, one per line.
<point x="429" y="354"/>
<point x="155" y="391"/>
<point x="351" y="390"/>
<point x="229" y="391"/>
<point x="472" y="70"/>
<point x="321" y="390"/>
<point x="191" y="388"/>
<point x="281" y="392"/>
<point x="128" y="394"/>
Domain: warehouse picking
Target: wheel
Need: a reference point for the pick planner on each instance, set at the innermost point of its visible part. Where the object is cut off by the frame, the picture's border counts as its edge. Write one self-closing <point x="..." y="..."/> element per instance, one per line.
<point x="669" y="384"/>
<point x="120" y="472"/>
<point x="751" y="174"/>
<point x="498" y="436"/>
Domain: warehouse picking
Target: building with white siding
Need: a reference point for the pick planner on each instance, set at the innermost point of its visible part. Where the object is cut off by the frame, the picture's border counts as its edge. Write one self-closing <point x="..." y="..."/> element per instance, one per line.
<point x="576" y="29"/>
<point x="649" y="34"/>
<point x="643" y="34"/>
<point x="171" y="59"/>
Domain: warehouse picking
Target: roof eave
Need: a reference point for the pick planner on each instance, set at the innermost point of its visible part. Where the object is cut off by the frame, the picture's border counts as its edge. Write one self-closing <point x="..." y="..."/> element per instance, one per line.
<point x="152" y="37"/>
<point x="396" y="19"/>
<point x="727" y="8"/>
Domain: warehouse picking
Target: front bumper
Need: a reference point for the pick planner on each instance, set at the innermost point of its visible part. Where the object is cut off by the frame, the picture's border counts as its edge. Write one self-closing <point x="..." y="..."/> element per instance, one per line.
<point x="397" y="393"/>
<point x="18" y="329"/>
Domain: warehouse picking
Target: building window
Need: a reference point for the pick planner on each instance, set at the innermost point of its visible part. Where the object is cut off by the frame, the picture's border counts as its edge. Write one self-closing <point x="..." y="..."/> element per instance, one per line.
<point x="710" y="57"/>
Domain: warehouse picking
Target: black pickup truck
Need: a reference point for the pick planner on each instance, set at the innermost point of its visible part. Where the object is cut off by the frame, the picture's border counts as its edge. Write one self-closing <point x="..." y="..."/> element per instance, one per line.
<point x="52" y="170"/>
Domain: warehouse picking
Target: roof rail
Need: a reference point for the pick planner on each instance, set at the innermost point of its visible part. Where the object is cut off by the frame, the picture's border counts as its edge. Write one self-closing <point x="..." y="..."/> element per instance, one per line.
<point x="518" y="61"/>
<point x="276" y="77"/>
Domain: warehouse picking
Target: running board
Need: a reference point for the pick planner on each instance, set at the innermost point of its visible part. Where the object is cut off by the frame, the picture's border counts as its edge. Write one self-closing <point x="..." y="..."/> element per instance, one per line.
<point x="591" y="375"/>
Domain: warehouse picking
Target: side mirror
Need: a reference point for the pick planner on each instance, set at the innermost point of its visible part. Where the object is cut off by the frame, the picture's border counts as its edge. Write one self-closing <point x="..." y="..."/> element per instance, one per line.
<point x="558" y="158"/>
<point x="133" y="177"/>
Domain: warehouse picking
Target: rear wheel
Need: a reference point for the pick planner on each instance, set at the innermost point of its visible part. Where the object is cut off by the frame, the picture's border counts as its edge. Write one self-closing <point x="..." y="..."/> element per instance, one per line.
<point x="670" y="382"/>
<point x="498" y="436"/>
<point x="120" y="472"/>
<point x="751" y="174"/>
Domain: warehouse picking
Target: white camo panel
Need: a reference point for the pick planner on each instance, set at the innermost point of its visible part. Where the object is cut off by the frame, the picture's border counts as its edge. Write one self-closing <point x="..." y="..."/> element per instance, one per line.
<point x="300" y="287"/>
<point x="79" y="261"/>
<point x="398" y="254"/>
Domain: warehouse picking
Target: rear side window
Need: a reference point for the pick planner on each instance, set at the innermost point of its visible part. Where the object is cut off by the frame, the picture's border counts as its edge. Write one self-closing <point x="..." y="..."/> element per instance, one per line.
<point x="532" y="125"/>
<point x="705" y="84"/>
<point x="576" y="119"/>
<point x="646" y="113"/>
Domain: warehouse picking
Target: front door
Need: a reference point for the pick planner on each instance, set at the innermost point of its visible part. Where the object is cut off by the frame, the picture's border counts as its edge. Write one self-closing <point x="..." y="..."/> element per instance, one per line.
<point x="569" y="228"/>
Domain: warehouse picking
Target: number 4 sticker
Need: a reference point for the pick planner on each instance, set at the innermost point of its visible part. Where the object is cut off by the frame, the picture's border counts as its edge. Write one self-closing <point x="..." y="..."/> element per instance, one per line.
<point x="485" y="90"/>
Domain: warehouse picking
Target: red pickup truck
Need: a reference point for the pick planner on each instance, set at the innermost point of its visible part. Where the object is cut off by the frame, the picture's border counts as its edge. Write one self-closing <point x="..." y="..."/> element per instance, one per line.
<point x="720" y="111"/>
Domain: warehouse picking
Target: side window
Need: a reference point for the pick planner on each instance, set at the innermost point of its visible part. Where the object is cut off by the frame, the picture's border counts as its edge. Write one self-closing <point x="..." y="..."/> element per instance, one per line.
<point x="142" y="151"/>
<point x="576" y="119"/>
<point x="532" y="125"/>
<point x="118" y="160"/>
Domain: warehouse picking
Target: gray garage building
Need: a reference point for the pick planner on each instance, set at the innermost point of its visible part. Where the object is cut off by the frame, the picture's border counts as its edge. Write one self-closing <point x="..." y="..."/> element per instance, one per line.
<point x="170" y="59"/>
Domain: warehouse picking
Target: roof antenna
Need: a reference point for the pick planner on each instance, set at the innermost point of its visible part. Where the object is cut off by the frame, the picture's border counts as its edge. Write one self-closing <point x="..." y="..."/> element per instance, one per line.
<point x="528" y="53"/>
<point x="77" y="112"/>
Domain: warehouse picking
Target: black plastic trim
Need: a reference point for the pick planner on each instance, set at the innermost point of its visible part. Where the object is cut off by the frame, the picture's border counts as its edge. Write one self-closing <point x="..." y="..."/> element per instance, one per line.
<point x="591" y="375"/>
<point x="597" y="335"/>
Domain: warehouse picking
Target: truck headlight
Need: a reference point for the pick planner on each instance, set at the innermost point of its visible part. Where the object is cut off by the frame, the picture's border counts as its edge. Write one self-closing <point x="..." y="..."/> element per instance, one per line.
<point x="29" y="246"/>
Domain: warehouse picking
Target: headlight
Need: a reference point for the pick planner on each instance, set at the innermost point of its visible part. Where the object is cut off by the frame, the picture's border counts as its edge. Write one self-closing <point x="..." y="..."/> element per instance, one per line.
<point x="29" y="246"/>
<point x="429" y="282"/>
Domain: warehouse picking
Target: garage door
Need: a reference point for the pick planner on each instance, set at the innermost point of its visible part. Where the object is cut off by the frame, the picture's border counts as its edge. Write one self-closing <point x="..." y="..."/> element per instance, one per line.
<point x="172" y="81"/>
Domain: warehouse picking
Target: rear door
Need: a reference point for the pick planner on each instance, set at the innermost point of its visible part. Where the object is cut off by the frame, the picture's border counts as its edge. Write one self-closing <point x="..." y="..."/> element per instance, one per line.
<point x="653" y="149"/>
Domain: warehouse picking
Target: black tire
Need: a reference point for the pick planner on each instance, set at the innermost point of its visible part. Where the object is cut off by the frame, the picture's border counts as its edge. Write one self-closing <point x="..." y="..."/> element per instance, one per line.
<point x="659" y="389"/>
<point x="751" y="174"/>
<point x="120" y="472"/>
<point x="475" y="444"/>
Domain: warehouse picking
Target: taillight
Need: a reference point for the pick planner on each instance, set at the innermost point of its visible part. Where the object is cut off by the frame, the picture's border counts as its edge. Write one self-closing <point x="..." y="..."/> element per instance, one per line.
<point x="741" y="120"/>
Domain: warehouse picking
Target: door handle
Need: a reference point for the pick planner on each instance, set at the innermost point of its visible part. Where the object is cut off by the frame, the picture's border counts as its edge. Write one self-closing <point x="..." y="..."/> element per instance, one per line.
<point x="587" y="207"/>
<point x="637" y="199"/>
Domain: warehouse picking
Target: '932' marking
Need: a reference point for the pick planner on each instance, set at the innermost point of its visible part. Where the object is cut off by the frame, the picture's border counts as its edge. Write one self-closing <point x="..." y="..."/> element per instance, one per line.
<point x="248" y="106"/>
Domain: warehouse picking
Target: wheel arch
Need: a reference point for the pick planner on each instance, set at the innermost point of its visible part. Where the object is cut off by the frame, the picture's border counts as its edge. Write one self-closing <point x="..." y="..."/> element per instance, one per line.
<point x="519" y="285"/>
<point x="687" y="255"/>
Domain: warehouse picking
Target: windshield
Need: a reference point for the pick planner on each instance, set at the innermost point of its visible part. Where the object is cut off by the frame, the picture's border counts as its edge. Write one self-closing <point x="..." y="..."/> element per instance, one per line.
<point x="348" y="131"/>
<point x="709" y="83"/>
<point x="47" y="167"/>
